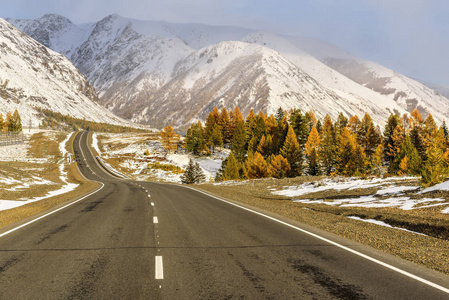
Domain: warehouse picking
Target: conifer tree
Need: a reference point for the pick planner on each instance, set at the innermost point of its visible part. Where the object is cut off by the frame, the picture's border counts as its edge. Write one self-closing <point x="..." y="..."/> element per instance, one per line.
<point x="311" y="151"/>
<point x="292" y="152"/>
<point x="211" y="120"/>
<point x="8" y="119"/>
<point x="393" y="121"/>
<point x="15" y="123"/>
<point x="2" y="122"/>
<point x="354" y="125"/>
<point x="169" y="139"/>
<point x="393" y="149"/>
<point x="235" y="118"/>
<point x="351" y="158"/>
<point x="232" y="168"/>
<point x="255" y="167"/>
<point x="195" y="138"/>
<point x="193" y="174"/>
<point x="271" y="125"/>
<point x="413" y="161"/>
<point x="327" y="150"/>
<point x="300" y="126"/>
<point x="239" y="141"/>
<point x="436" y="168"/>
<point x="341" y="123"/>
<point x="278" y="167"/>
<point x="279" y="115"/>
<point x="224" y="124"/>
<point x="378" y="159"/>
<point x="216" y="139"/>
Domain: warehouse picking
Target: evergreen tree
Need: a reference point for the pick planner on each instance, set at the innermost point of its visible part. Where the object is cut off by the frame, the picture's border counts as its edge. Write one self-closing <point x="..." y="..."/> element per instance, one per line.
<point x="224" y="124"/>
<point x="239" y="141"/>
<point x="216" y="139"/>
<point x="279" y="115"/>
<point x="292" y="152"/>
<point x="327" y="150"/>
<point x="235" y="118"/>
<point x="195" y="138"/>
<point x="193" y="174"/>
<point x="278" y="167"/>
<point x="393" y="121"/>
<point x="311" y="151"/>
<point x="397" y="139"/>
<point x="300" y="126"/>
<point x="211" y="120"/>
<point x="255" y="167"/>
<point x="341" y="123"/>
<point x="413" y="161"/>
<point x="378" y="158"/>
<point x="232" y="168"/>
<point x="436" y="168"/>
<point x="16" y="122"/>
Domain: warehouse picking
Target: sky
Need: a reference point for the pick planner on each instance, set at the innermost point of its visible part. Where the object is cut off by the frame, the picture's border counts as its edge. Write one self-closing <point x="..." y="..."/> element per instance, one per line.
<point x="408" y="36"/>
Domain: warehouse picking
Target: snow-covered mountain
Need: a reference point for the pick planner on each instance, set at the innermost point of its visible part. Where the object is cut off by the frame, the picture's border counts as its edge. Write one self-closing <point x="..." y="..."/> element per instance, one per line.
<point x="31" y="75"/>
<point x="159" y="72"/>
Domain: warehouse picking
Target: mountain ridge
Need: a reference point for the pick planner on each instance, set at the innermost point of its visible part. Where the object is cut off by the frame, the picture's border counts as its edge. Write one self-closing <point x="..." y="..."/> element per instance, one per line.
<point x="131" y="61"/>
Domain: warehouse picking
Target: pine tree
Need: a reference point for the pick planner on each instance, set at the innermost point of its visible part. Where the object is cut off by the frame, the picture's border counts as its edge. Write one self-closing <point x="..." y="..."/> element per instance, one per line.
<point x="413" y="161"/>
<point x="327" y="150"/>
<point x="311" y="151"/>
<point x="255" y="167"/>
<point x="16" y="122"/>
<point x="224" y="124"/>
<point x="292" y="152"/>
<point x="235" y="118"/>
<point x="279" y="115"/>
<point x="211" y="120"/>
<point x="436" y="168"/>
<point x="169" y="139"/>
<point x="193" y="174"/>
<point x="195" y="138"/>
<point x="278" y="167"/>
<point x="351" y="158"/>
<point x="215" y="138"/>
<point x="232" y="168"/>
<point x="393" y="121"/>
<point x="341" y="123"/>
<point x="8" y="120"/>
<point x="2" y="122"/>
<point x="378" y="159"/>
<point x="239" y="141"/>
<point x="300" y="126"/>
<point x="397" y="138"/>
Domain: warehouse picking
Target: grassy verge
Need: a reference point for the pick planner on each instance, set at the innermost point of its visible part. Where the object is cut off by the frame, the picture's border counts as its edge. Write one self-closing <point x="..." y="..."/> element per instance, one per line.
<point x="430" y="251"/>
<point x="19" y="213"/>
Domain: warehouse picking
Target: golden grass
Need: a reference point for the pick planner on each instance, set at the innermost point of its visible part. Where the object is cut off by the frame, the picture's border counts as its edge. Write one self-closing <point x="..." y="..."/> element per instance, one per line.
<point x="432" y="252"/>
<point x="39" y="149"/>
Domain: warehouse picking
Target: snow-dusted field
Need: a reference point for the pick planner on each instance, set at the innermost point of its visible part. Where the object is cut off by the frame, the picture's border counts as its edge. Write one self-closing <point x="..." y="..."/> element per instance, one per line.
<point x="19" y="153"/>
<point x="132" y="148"/>
<point x="389" y="193"/>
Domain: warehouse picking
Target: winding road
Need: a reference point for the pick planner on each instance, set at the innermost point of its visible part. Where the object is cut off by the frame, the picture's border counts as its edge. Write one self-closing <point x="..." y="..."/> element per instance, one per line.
<point x="142" y="240"/>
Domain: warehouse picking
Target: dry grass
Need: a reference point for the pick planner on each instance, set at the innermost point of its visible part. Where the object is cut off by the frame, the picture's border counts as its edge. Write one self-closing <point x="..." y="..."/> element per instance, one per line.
<point x="42" y="146"/>
<point x="432" y="252"/>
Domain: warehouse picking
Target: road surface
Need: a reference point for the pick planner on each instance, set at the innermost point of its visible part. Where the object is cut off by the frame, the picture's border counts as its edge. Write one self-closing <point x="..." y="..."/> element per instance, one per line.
<point x="141" y="240"/>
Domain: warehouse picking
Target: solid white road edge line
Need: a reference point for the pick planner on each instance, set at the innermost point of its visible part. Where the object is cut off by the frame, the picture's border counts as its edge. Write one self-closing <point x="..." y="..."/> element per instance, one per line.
<point x="159" y="274"/>
<point x="434" y="285"/>
<point x="155" y="220"/>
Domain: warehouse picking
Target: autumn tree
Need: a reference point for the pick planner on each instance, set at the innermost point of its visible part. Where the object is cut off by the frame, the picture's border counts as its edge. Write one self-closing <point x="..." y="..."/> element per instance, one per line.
<point x="436" y="168"/>
<point x="292" y="152"/>
<point x="255" y="166"/>
<point x="351" y="159"/>
<point x="311" y="151"/>
<point x="300" y="125"/>
<point x="169" y="139"/>
<point x="232" y="168"/>
<point x="215" y="138"/>
<point x="224" y="124"/>
<point x="408" y="160"/>
<point x="327" y="150"/>
<point x="278" y="167"/>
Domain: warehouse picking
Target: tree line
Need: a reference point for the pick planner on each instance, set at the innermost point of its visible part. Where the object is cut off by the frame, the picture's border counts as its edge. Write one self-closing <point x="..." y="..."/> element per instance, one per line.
<point x="11" y="122"/>
<point x="293" y="143"/>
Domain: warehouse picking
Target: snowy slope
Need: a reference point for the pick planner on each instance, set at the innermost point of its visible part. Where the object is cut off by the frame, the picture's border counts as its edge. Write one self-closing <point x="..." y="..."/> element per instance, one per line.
<point x="32" y="75"/>
<point x="158" y="72"/>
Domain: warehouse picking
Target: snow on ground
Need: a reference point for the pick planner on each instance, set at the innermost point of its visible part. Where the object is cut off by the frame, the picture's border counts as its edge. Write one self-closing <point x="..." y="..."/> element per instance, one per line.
<point x="444" y="186"/>
<point x="386" y="188"/>
<point x="26" y="183"/>
<point x="339" y="184"/>
<point x="95" y="143"/>
<point x="381" y="223"/>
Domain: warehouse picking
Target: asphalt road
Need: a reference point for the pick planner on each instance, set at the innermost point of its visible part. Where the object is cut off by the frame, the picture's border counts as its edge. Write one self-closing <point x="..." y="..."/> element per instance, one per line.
<point x="141" y="240"/>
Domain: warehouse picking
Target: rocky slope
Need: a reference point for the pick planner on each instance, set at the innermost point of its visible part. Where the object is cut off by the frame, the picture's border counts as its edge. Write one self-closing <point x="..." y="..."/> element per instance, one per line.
<point x="158" y="72"/>
<point x="32" y="75"/>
